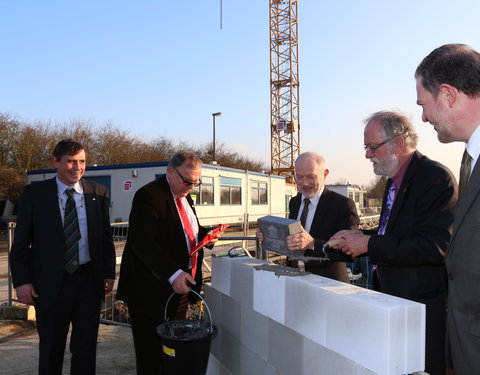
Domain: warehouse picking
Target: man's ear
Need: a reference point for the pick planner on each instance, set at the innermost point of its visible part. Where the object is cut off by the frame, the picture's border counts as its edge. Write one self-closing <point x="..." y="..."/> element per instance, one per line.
<point x="448" y="93"/>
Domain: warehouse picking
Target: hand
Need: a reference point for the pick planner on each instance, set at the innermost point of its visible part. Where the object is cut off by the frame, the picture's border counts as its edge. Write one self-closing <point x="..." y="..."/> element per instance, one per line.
<point x="108" y="284"/>
<point x="259" y="235"/>
<point x="300" y="241"/>
<point x="182" y="283"/>
<point x="353" y="242"/>
<point x="26" y="293"/>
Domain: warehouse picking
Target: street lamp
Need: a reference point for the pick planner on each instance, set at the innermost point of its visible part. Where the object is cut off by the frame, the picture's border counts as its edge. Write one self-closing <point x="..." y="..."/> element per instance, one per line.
<point x="214" y="115"/>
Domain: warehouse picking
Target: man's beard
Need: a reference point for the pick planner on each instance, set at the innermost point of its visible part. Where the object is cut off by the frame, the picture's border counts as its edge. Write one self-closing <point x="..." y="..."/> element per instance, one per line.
<point x="387" y="168"/>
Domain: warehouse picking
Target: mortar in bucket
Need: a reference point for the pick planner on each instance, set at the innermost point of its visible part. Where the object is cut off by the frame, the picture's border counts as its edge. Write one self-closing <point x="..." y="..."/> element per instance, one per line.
<point x="186" y="343"/>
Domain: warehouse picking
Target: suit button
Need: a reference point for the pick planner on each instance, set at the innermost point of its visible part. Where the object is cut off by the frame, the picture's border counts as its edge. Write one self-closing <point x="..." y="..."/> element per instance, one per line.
<point x="450" y="276"/>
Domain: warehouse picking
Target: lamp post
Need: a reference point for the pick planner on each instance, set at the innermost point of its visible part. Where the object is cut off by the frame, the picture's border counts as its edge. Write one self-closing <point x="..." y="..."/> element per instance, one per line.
<point x="214" y="115"/>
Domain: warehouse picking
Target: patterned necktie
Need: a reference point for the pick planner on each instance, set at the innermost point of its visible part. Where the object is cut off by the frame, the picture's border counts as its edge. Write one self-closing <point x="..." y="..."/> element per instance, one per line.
<point x="388" y="208"/>
<point x="303" y="216"/>
<point x="71" y="231"/>
<point x="188" y="229"/>
<point x="465" y="170"/>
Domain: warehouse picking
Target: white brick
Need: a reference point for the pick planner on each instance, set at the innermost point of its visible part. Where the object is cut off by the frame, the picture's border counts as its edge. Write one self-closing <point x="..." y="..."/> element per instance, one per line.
<point x="241" y="286"/>
<point x="305" y="308"/>
<point x="269" y="295"/>
<point x="251" y="363"/>
<point x="221" y="274"/>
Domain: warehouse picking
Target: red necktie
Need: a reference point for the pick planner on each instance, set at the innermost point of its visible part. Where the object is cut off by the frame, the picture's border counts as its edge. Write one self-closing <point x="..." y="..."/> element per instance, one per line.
<point x="188" y="229"/>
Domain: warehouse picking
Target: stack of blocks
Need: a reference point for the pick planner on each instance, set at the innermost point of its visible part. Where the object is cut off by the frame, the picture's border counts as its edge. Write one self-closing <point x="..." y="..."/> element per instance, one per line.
<point x="270" y="324"/>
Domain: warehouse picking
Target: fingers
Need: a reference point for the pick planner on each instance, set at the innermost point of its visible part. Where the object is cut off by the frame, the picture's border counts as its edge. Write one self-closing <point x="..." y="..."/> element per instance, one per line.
<point x="182" y="283"/>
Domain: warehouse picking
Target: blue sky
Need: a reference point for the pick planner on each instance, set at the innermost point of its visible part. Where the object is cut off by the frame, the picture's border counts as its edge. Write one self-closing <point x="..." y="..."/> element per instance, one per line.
<point x="161" y="68"/>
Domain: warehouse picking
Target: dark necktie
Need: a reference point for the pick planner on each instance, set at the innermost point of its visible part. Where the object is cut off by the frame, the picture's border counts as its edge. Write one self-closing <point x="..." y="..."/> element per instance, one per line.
<point x="465" y="170"/>
<point x="303" y="216"/>
<point x="188" y="229"/>
<point x="388" y="209"/>
<point x="71" y="231"/>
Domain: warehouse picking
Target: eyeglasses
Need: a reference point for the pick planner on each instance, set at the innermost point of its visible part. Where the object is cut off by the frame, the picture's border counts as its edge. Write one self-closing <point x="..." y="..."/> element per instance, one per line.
<point x="373" y="148"/>
<point x="188" y="182"/>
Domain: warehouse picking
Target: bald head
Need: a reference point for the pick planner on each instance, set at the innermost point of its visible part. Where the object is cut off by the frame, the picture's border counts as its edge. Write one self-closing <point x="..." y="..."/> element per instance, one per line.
<point x="310" y="173"/>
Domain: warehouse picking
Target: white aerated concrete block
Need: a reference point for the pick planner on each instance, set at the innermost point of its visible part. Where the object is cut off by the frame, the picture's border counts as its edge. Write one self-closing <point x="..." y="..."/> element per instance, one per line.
<point x="241" y="286"/>
<point x="377" y="322"/>
<point x="230" y="357"/>
<point x="221" y="274"/>
<point x="269" y="295"/>
<point x="415" y="332"/>
<point x="254" y="331"/>
<point x="305" y="308"/>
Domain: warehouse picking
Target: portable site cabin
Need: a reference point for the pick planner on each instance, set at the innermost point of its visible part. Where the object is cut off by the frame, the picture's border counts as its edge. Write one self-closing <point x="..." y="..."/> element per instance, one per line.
<point x="226" y="195"/>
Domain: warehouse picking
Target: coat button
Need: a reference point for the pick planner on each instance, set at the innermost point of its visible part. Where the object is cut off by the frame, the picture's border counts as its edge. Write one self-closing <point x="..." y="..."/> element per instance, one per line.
<point x="450" y="276"/>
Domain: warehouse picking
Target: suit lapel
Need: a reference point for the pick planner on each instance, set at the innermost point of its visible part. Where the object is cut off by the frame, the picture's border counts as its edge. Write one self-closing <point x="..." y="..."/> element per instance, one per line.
<point x="53" y="204"/>
<point x="397" y="204"/>
<point x="469" y="195"/>
<point x="295" y="206"/>
<point x="321" y="209"/>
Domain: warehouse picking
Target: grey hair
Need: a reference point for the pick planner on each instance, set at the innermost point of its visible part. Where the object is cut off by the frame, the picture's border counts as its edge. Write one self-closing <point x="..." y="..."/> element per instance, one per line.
<point x="183" y="156"/>
<point x="395" y="123"/>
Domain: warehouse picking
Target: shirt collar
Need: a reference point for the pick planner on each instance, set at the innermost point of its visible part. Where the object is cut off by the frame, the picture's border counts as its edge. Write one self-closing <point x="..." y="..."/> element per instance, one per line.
<point x="62" y="187"/>
<point x="398" y="179"/>
<point x="314" y="199"/>
<point x="473" y="145"/>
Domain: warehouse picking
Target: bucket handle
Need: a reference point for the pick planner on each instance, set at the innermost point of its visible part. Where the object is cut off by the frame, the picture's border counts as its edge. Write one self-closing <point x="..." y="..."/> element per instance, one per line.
<point x="191" y="290"/>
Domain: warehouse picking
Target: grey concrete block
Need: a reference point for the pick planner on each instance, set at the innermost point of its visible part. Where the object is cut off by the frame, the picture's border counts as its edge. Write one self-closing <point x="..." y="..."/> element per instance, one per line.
<point x="213" y="367"/>
<point x="251" y="363"/>
<point x="285" y="349"/>
<point x="254" y="331"/>
<point x="230" y="357"/>
<point x="231" y="316"/>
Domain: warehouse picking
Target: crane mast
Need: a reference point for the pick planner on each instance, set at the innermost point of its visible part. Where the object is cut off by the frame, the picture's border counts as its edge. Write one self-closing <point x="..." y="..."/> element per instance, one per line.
<point x="284" y="87"/>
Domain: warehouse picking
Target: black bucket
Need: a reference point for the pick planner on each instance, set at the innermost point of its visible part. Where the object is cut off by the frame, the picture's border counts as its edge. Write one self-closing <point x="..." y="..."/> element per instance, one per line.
<point x="186" y="343"/>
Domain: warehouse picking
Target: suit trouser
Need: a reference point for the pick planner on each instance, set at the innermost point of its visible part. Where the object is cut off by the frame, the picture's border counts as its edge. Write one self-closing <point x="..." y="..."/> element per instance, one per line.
<point x="436" y="322"/>
<point x="78" y="303"/>
<point x="148" y="347"/>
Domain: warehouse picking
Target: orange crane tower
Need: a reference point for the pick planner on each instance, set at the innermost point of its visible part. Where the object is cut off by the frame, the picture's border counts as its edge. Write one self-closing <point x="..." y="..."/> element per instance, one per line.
<point x="284" y="87"/>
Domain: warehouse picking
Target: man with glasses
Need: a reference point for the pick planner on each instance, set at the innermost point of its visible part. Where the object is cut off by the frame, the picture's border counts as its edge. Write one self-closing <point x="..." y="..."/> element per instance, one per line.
<point x="415" y="227"/>
<point x="163" y="229"/>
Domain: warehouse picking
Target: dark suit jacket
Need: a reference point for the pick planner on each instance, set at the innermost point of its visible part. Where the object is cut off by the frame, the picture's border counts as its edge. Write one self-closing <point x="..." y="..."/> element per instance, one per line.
<point x="463" y="266"/>
<point x="38" y="250"/>
<point x="410" y="256"/>
<point x="156" y="248"/>
<point x="334" y="212"/>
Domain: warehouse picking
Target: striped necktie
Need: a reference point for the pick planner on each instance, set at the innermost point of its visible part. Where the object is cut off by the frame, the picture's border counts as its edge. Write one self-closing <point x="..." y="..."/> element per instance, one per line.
<point x="71" y="231"/>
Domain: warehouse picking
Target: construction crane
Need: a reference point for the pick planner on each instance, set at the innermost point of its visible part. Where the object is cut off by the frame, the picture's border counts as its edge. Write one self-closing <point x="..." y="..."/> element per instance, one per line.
<point x="284" y="87"/>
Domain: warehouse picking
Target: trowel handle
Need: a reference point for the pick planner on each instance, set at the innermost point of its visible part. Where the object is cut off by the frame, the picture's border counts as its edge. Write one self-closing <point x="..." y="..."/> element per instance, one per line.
<point x="332" y="243"/>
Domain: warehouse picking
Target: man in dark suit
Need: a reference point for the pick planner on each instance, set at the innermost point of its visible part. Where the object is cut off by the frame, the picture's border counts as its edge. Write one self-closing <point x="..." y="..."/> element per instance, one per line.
<point x="156" y="259"/>
<point x="327" y="212"/>
<point x="322" y="214"/>
<point x="415" y="226"/>
<point x="448" y="90"/>
<point x="64" y="273"/>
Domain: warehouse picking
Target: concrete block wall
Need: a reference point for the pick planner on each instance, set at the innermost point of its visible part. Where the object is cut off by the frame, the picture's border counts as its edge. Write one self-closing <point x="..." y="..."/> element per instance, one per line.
<point x="270" y="324"/>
